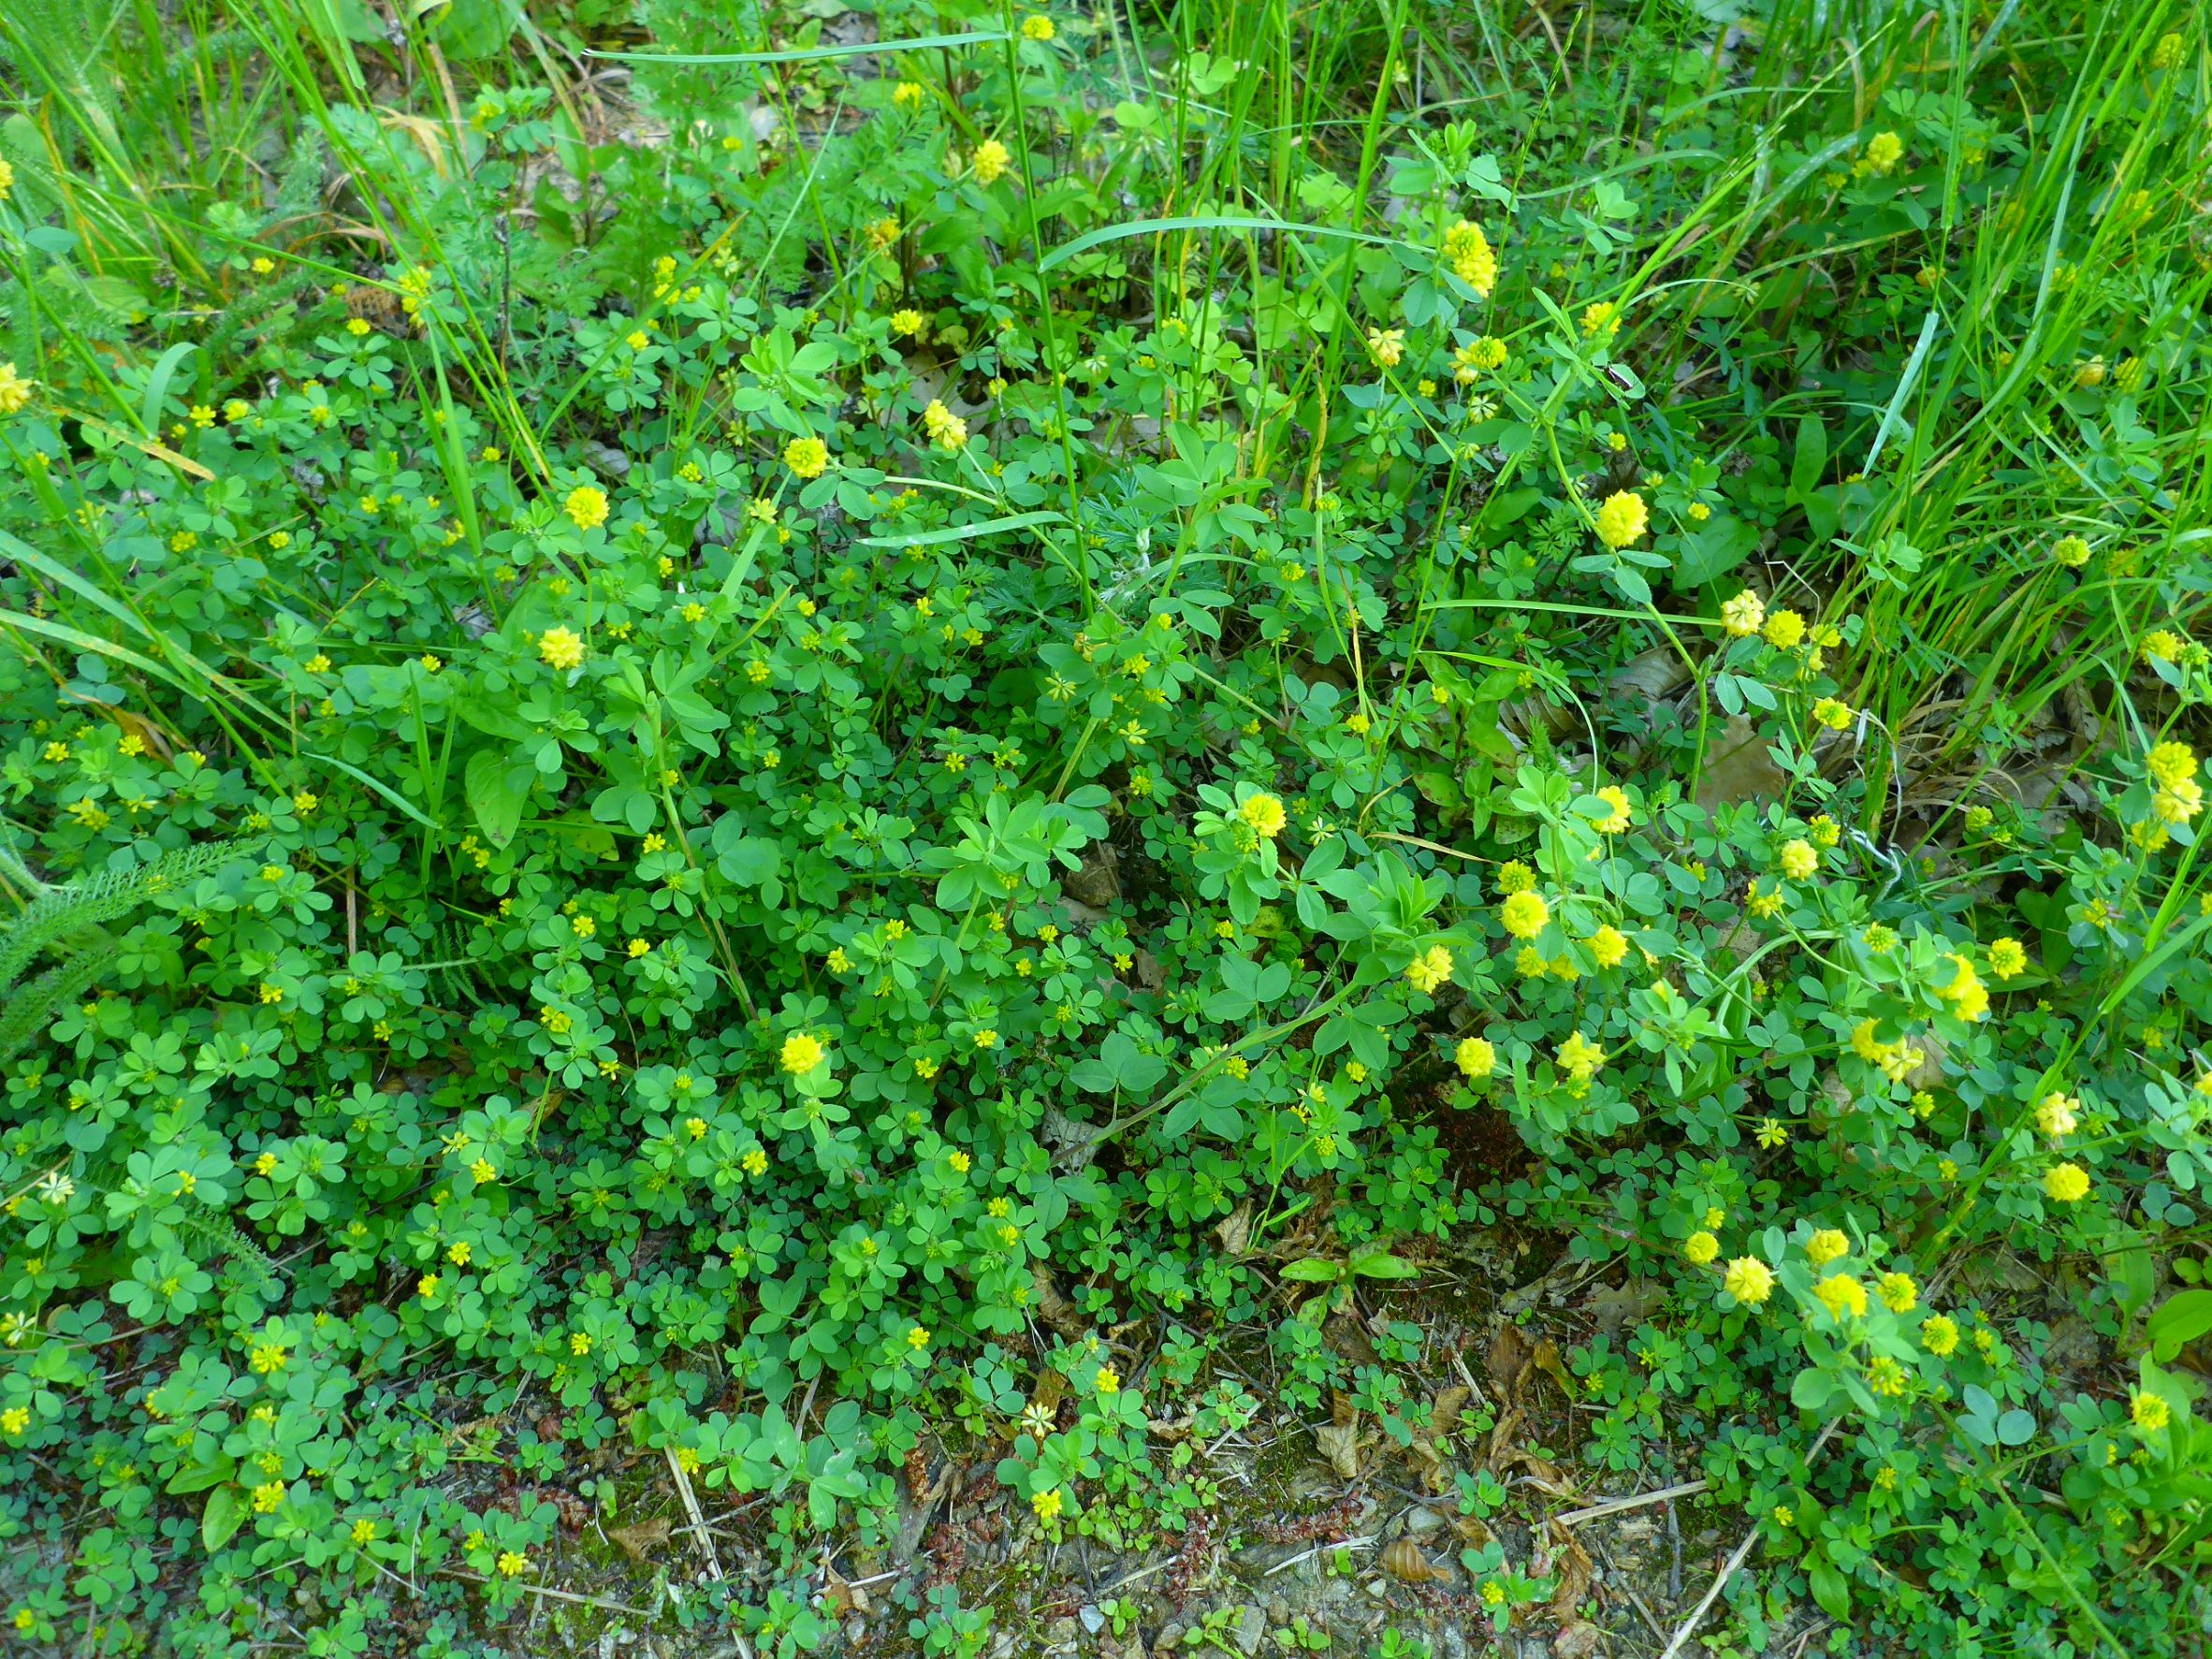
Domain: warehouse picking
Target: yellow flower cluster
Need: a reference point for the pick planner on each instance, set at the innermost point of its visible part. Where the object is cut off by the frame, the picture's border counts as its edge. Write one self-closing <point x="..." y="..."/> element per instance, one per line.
<point x="1966" y="994"/>
<point x="1468" y="252"/>
<point x="946" y="429"/>
<point x="807" y="457"/>
<point x="1896" y="1060"/>
<point x="1265" y="815"/>
<point x="992" y="159"/>
<point x="1623" y="519"/>
<point x="1430" y="969"/>
<point x="1524" y="914"/>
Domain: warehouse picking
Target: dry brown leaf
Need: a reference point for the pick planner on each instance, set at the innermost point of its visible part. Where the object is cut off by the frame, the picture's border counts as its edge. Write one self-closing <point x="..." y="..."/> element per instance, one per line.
<point x="1613" y="1306"/>
<point x="1573" y="1565"/>
<point x="1577" y="1639"/>
<point x="1499" y="1450"/>
<point x="1474" y="1531"/>
<point x="644" y="1540"/>
<point x="1235" y="1233"/>
<point x="1444" y="1411"/>
<point x="842" y="1595"/>
<point x="1508" y="1359"/>
<point x="1409" y="1562"/>
<point x="1340" y="1444"/>
<point x="1341" y="1409"/>
<point x="1052" y="1387"/>
<point x="1053" y="1307"/>
<point x="1543" y="1473"/>
<point x="1546" y="1359"/>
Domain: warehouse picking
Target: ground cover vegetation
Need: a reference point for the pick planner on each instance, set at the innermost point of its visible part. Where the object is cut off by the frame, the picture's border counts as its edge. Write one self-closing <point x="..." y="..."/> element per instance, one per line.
<point x="749" y="749"/>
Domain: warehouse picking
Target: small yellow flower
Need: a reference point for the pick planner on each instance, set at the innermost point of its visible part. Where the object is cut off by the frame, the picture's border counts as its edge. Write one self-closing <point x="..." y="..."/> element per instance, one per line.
<point x="1524" y="914"/>
<point x="586" y="506"/>
<point x="1475" y="1057"/>
<point x="1580" y="1058"/>
<point x="1472" y="259"/>
<point x="1623" y="519"/>
<point x="1784" y="629"/>
<point x="364" y="1532"/>
<point x="2071" y="551"/>
<point x="1387" y="346"/>
<point x="1265" y="815"/>
<point x="992" y="159"/>
<point x="1884" y="152"/>
<point x="2056" y="1114"/>
<point x="1827" y="1244"/>
<point x="1608" y="945"/>
<point x="15" y="391"/>
<point x="1898" y="1291"/>
<point x="2069" y="1184"/>
<point x="427" y="1287"/>
<point x="802" y="1054"/>
<point x="917" y="1337"/>
<point x="1939" y="1335"/>
<point x="2149" y="1412"/>
<point x="1601" y="318"/>
<point x="1841" y="1295"/>
<point x="1038" y="27"/>
<point x="561" y="649"/>
<point x="907" y="94"/>
<point x="1700" y="1248"/>
<point x="1799" y="860"/>
<point x="1745" y="615"/>
<point x="1047" y="1504"/>
<point x="1428" y="971"/>
<point x="1749" y="1280"/>
<point x="1618" y="821"/>
<point x="513" y="1563"/>
<point x="1108" y="1381"/>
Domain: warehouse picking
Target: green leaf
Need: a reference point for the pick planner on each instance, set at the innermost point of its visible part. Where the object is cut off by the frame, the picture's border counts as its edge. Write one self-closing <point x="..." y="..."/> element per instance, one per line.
<point x="471" y="29"/>
<point x="220" y="1520"/>
<point x="1119" y="1064"/>
<point x="2181" y="1318"/>
<point x="809" y="54"/>
<point x="964" y="532"/>
<point x="157" y="385"/>
<point x="1829" y="1587"/>
<point x="497" y="792"/>
<point x="1315" y="1270"/>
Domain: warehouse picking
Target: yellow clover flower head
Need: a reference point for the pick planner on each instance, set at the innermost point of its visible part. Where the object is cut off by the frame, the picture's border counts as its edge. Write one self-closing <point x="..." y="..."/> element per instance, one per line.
<point x="801" y="1053"/>
<point x="586" y="506"/>
<point x="2068" y="1184"/>
<point x="1623" y="519"/>
<point x="1842" y="1296"/>
<point x="1475" y="1057"/>
<point x="1745" y="615"/>
<point x="992" y="159"/>
<point x="561" y="649"/>
<point x="1749" y="1280"/>
<point x="1524" y="914"/>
